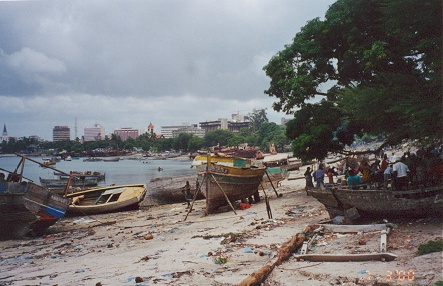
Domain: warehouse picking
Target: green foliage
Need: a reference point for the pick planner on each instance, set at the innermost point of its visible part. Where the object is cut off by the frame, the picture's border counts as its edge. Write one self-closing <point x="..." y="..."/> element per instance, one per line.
<point x="430" y="246"/>
<point x="257" y="118"/>
<point x="384" y="59"/>
<point x="218" y="137"/>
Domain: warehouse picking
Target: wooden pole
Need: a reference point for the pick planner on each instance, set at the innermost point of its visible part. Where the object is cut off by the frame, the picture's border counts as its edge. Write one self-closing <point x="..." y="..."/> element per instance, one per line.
<point x="268" y="206"/>
<point x="208" y="163"/>
<point x="227" y="199"/>
<point x="195" y="197"/>
<point x="270" y="181"/>
<point x="52" y="168"/>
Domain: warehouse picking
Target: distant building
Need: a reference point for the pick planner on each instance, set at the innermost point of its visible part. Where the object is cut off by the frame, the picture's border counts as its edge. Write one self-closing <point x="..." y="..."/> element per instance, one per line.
<point x="36" y="138"/>
<point x="150" y="128"/>
<point x="94" y="133"/>
<point x="284" y="121"/>
<point x="238" y="121"/>
<point x="174" y="130"/>
<point x="191" y="129"/>
<point x="4" y="136"/>
<point x="61" y="133"/>
<point x="126" y="132"/>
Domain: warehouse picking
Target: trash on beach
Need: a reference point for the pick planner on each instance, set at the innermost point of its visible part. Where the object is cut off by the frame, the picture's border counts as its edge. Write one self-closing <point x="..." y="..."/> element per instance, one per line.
<point x="248" y="250"/>
<point x="83" y="220"/>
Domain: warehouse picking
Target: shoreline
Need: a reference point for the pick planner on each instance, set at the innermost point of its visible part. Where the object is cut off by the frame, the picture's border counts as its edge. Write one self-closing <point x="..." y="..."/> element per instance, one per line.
<point x="160" y="247"/>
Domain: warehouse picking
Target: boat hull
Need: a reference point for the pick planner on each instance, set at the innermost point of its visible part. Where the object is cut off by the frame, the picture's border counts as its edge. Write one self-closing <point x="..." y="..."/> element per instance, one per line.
<point x="162" y="191"/>
<point x="107" y="199"/>
<point x="26" y="208"/>
<point x="373" y="203"/>
<point x="235" y="183"/>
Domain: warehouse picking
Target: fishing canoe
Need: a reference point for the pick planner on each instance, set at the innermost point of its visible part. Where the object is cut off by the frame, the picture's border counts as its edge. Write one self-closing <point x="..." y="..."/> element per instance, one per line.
<point x="225" y="181"/>
<point x="107" y="199"/>
<point x="27" y="208"/>
<point x="381" y="203"/>
<point x="168" y="190"/>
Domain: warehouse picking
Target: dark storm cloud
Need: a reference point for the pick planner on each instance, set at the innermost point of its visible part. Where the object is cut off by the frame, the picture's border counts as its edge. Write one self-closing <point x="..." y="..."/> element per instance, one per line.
<point x="161" y="52"/>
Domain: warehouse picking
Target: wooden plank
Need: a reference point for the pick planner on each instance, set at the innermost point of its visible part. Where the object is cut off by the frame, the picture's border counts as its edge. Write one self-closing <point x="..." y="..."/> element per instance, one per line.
<point x="346" y="257"/>
<point x="354" y="228"/>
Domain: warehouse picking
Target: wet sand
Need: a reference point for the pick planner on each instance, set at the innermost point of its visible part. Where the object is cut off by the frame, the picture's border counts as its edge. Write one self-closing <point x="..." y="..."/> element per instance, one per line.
<point x="157" y="246"/>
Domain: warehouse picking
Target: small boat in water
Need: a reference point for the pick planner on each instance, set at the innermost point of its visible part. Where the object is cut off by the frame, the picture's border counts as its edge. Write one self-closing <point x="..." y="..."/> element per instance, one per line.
<point x="116" y="159"/>
<point x="228" y="179"/>
<point x="25" y="207"/>
<point x="107" y="199"/>
<point x="58" y="185"/>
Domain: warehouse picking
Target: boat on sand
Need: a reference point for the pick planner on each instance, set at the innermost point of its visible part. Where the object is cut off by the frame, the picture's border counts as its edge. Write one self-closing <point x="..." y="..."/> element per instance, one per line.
<point x="169" y="190"/>
<point x="360" y="203"/>
<point x="225" y="180"/>
<point x="106" y="199"/>
<point x="25" y="207"/>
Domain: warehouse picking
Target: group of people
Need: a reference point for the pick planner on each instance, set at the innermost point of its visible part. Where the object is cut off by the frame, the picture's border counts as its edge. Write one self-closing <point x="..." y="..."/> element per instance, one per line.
<point x="423" y="168"/>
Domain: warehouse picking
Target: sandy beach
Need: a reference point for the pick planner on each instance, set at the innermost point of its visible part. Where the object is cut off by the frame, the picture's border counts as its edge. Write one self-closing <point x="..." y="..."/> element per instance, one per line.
<point x="157" y="246"/>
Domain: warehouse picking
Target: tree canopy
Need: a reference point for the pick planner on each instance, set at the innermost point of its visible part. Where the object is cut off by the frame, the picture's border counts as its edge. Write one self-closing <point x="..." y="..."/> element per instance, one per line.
<point x="383" y="60"/>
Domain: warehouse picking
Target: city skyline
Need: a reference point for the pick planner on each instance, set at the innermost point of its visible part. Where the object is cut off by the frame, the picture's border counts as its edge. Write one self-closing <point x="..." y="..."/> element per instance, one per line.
<point x="121" y="63"/>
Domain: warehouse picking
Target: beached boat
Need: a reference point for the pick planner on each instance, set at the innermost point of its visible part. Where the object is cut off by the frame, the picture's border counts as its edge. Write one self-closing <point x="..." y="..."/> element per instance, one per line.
<point x="168" y="190"/>
<point x="225" y="180"/>
<point x="107" y="199"/>
<point x="27" y="208"/>
<point x="273" y="176"/>
<point x="380" y="203"/>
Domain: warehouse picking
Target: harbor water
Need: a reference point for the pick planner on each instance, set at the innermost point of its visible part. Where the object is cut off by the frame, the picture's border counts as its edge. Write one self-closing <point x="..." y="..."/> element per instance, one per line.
<point x="125" y="171"/>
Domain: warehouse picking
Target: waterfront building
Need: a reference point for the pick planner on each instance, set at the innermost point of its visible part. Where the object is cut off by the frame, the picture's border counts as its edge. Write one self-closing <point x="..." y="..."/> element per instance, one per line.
<point x="173" y="131"/>
<point x="238" y="121"/>
<point x="126" y="132"/>
<point x="61" y="133"/>
<point x="94" y="133"/>
<point x="191" y="129"/>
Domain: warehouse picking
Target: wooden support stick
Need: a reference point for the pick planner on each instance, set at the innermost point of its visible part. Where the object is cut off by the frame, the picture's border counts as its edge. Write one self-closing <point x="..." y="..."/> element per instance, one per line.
<point x="227" y="199"/>
<point x="195" y="197"/>
<point x="270" y="181"/>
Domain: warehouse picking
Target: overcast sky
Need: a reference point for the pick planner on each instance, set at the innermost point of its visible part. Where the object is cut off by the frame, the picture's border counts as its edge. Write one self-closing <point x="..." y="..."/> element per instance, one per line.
<point x="129" y="63"/>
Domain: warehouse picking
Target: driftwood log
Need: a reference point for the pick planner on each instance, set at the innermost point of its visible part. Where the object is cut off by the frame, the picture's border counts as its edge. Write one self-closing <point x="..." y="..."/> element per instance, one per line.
<point x="283" y="254"/>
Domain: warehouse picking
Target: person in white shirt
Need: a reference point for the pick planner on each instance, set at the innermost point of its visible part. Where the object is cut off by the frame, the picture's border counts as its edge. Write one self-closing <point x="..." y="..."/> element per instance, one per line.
<point x="393" y="158"/>
<point x="401" y="175"/>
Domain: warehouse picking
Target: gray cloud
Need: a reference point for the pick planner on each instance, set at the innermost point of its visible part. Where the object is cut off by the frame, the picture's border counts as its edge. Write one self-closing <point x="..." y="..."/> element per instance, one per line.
<point x="126" y="63"/>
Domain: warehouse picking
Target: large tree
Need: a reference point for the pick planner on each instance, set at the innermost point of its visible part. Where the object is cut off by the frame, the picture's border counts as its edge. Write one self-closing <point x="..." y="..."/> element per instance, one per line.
<point x="383" y="59"/>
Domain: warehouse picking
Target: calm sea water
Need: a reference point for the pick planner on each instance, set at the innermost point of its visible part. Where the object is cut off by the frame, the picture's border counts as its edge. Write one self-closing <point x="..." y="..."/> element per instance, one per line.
<point x="119" y="173"/>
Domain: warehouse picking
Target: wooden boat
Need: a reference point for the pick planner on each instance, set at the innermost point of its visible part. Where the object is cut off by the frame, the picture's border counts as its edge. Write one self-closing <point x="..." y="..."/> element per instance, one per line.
<point x="107" y="199"/>
<point x="27" y="208"/>
<point x="48" y="162"/>
<point x="82" y="175"/>
<point x="112" y="159"/>
<point x="225" y="182"/>
<point x="58" y="185"/>
<point x="168" y="190"/>
<point x="274" y="175"/>
<point x="380" y="203"/>
<point x="92" y="159"/>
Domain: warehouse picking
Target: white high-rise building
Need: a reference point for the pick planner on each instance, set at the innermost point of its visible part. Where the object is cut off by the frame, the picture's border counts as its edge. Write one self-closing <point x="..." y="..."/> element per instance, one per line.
<point x="94" y="133"/>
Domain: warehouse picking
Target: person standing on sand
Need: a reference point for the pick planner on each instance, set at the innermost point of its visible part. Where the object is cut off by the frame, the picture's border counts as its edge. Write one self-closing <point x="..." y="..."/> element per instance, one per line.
<point x="319" y="176"/>
<point x="187" y="193"/>
<point x="308" y="177"/>
<point x="401" y="175"/>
